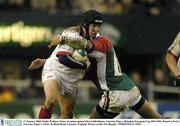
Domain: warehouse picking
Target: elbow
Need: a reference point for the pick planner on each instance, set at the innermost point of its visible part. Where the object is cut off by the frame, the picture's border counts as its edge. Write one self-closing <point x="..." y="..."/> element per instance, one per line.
<point x="62" y="58"/>
<point x="170" y="56"/>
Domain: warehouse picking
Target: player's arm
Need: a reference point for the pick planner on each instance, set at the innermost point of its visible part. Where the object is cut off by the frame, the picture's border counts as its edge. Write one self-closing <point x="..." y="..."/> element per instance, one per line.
<point x="101" y="44"/>
<point x="79" y="43"/>
<point x="37" y="63"/>
<point x="57" y="39"/>
<point x="68" y="61"/>
<point x="172" y="63"/>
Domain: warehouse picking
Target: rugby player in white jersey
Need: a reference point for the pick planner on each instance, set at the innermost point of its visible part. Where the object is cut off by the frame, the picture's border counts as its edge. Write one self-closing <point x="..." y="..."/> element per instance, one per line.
<point x="60" y="76"/>
<point x="118" y="91"/>
<point x="172" y="55"/>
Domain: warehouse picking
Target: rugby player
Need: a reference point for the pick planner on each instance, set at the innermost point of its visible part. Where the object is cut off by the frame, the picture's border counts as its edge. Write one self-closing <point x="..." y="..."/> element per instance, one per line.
<point x="60" y="76"/>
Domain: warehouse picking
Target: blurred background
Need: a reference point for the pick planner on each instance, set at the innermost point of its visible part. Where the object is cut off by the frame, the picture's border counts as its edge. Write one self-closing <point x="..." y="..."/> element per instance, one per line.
<point x="141" y="32"/>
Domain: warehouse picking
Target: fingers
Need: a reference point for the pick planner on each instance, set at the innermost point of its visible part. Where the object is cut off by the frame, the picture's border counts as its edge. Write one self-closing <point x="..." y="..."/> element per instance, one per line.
<point x="50" y="45"/>
<point x="33" y="64"/>
<point x="55" y="41"/>
<point x="31" y="67"/>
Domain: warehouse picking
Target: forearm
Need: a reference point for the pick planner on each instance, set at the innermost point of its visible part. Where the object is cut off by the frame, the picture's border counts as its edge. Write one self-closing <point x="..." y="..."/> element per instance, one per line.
<point x="79" y="43"/>
<point x="70" y="62"/>
<point x="43" y="61"/>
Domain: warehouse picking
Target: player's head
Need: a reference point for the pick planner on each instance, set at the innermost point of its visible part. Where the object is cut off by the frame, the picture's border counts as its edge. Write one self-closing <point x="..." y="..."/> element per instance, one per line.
<point x="91" y="23"/>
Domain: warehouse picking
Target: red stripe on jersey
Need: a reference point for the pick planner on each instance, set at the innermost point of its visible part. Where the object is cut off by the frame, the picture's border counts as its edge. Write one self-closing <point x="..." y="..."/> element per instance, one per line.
<point x="169" y="51"/>
<point x="102" y="44"/>
<point x="63" y="53"/>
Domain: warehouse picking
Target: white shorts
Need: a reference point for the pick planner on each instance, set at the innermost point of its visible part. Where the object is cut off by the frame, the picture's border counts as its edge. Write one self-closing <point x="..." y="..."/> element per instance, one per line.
<point x="67" y="85"/>
<point x="120" y="100"/>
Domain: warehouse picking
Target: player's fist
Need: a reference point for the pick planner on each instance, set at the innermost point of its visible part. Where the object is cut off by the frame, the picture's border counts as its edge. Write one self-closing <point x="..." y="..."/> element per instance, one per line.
<point x="55" y="41"/>
<point x="37" y="63"/>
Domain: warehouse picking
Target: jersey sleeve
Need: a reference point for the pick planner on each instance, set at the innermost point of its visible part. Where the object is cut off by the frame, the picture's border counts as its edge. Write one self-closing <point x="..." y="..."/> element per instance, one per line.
<point x="102" y="44"/>
<point x="64" y="49"/>
<point x="72" y="34"/>
<point x="64" y="53"/>
<point x="70" y="62"/>
<point x="175" y="47"/>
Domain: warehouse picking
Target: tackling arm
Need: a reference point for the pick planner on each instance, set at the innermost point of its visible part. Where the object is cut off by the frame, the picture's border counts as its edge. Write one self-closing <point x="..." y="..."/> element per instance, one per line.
<point x="79" y="43"/>
<point x="101" y="44"/>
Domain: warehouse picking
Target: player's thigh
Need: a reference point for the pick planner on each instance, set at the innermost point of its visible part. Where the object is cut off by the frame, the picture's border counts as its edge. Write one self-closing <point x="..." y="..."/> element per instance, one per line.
<point x="51" y="88"/>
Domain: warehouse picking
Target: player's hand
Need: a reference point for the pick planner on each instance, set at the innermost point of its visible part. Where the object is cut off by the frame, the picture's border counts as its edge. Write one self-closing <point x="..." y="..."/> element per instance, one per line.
<point x="55" y="41"/>
<point x="37" y="63"/>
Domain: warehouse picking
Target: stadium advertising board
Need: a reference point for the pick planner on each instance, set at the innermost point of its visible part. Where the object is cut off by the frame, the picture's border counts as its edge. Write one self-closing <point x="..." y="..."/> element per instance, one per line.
<point x="82" y="111"/>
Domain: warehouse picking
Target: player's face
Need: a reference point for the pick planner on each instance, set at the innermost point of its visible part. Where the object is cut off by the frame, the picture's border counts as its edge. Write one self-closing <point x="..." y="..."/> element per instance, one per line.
<point x="94" y="29"/>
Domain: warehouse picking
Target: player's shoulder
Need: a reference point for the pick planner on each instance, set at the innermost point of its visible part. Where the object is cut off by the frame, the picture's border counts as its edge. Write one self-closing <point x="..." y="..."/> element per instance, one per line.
<point x="71" y="31"/>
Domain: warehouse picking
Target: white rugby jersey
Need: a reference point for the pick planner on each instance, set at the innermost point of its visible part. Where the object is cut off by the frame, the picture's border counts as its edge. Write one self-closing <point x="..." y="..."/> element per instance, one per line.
<point x="175" y="48"/>
<point x="52" y="62"/>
